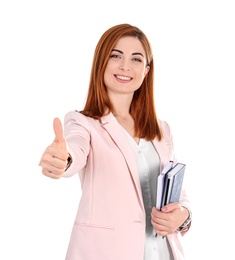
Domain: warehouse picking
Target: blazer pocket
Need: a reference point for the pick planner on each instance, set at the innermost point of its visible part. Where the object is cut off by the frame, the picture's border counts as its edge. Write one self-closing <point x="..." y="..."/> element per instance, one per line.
<point x="94" y="226"/>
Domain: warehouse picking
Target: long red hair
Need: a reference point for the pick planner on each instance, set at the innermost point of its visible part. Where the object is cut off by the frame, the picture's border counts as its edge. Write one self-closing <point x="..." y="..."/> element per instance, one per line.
<point x="142" y="107"/>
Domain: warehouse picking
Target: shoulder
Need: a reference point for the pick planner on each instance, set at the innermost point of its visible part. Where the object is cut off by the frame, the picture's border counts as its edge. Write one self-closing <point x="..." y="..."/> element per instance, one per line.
<point x="166" y="130"/>
<point x="75" y="115"/>
<point x="75" y="119"/>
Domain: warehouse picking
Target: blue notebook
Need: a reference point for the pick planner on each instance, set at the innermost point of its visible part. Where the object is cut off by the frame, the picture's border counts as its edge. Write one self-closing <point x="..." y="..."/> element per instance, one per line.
<point x="173" y="182"/>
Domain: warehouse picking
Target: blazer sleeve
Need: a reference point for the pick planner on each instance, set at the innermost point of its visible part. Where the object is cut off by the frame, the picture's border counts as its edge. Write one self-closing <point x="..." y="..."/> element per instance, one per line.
<point x="168" y="137"/>
<point x="77" y="136"/>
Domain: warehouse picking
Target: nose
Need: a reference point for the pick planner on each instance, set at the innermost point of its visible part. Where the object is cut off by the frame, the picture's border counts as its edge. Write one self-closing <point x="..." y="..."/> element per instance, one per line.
<point x="124" y="65"/>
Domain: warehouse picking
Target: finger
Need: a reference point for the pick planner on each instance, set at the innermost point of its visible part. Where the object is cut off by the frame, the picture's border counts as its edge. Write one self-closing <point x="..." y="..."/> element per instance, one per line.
<point x="58" y="130"/>
<point x="54" y="160"/>
<point x="50" y="174"/>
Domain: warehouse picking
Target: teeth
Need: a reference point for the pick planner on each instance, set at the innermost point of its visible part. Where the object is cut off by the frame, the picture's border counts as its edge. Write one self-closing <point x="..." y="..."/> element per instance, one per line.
<point x="123" y="78"/>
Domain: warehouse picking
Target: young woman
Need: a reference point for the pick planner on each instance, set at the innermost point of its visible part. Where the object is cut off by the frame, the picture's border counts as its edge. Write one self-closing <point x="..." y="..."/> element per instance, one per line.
<point x="118" y="147"/>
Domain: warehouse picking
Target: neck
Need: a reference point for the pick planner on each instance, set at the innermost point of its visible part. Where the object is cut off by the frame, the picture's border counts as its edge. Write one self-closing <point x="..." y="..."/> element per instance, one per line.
<point x="121" y="106"/>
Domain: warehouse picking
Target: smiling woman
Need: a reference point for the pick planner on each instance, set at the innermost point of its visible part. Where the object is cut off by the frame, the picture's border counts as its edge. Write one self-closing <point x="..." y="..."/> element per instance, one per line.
<point x="118" y="146"/>
<point x="124" y="74"/>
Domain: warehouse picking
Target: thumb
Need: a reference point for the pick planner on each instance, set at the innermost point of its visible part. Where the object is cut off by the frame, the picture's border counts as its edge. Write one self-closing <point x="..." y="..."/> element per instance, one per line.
<point x="58" y="130"/>
<point x="170" y="207"/>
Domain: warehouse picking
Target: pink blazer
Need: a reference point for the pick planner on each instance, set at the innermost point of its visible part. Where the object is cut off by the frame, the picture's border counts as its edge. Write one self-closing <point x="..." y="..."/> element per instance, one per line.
<point x="110" y="221"/>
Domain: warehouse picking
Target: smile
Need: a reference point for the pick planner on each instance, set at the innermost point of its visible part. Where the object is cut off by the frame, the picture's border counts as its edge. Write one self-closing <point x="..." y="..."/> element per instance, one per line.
<point x="125" y="78"/>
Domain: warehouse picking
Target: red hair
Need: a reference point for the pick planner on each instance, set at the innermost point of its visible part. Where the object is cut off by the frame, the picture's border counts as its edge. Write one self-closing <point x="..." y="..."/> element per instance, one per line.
<point x="142" y="107"/>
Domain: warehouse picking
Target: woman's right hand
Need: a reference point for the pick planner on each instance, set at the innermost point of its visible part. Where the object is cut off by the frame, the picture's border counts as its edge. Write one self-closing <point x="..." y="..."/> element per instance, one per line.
<point x="54" y="158"/>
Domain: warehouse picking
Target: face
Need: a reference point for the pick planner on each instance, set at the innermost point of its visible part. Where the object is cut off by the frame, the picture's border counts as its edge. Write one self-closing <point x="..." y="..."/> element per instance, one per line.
<point x="127" y="67"/>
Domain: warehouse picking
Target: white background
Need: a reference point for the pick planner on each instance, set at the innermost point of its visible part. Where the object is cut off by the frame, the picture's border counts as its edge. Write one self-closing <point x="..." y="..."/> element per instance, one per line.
<point x="46" y="50"/>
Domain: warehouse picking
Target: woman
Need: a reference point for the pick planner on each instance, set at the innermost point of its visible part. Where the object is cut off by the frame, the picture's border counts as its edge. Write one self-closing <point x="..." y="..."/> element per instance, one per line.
<point x="118" y="147"/>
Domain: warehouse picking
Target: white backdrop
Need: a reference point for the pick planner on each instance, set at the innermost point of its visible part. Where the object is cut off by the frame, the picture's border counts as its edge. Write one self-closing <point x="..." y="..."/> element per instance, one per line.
<point x="46" y="50"/>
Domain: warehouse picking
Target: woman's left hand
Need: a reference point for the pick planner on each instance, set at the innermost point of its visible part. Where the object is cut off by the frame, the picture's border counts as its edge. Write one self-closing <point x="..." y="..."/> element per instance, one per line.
<point x="167" y="220"/>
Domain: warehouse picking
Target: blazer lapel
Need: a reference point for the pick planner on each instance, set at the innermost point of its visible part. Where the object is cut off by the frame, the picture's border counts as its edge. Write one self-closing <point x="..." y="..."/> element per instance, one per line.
<point x="110" y="123"/>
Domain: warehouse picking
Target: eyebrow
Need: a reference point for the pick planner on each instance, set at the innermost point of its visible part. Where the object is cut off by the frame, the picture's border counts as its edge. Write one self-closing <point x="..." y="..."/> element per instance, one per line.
<point x="134" y="53"/>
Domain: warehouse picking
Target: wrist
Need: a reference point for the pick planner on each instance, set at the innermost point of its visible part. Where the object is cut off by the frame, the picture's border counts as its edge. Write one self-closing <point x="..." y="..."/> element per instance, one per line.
<point x="69" y="161"/>
<point x="186" y="223"/>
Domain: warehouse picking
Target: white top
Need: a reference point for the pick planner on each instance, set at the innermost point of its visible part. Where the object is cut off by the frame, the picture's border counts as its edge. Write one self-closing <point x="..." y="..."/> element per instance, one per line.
<point x="148" y="166"/>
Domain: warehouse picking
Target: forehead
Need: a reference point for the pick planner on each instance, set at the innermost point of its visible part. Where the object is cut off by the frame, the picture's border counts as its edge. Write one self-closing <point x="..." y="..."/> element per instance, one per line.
<point x="130" y="44"/>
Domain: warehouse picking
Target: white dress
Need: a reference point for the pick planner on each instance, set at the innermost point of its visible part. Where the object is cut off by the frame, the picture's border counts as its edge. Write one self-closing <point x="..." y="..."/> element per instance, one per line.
<point x="147" y="158"/>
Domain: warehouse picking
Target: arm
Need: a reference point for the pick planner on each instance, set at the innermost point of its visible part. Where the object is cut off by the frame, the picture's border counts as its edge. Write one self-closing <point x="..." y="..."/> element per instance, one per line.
<point x="170" y="218"/>
<point x="77" y="137"/>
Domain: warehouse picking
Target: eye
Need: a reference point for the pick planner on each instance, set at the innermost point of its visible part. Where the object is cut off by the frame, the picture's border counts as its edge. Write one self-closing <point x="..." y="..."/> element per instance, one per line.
<point x="137" y="59"/>
<point x="115" y="56"/>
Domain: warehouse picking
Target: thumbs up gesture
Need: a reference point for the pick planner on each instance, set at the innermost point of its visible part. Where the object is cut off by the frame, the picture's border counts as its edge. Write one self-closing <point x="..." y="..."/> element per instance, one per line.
<point x="54" y="158"/>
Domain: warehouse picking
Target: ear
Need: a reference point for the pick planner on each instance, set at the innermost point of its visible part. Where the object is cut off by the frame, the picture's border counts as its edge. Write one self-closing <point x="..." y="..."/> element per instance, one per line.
<point x="146" y="70"/>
